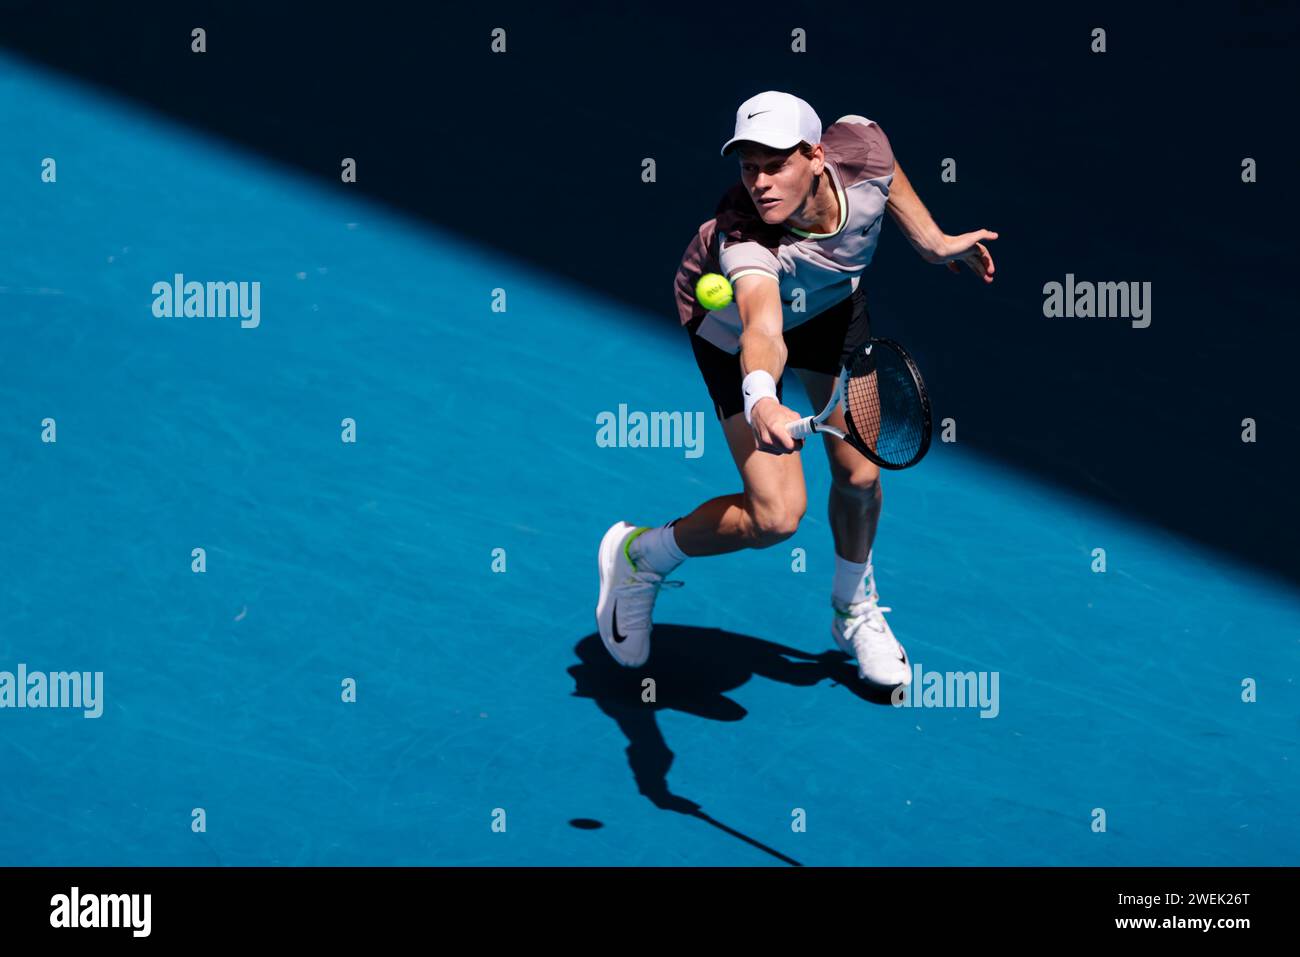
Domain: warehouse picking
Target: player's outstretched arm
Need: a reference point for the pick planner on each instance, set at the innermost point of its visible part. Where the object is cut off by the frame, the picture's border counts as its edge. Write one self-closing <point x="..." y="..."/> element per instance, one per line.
<point x="932" y="243"/>
<point x="762" y="360"/>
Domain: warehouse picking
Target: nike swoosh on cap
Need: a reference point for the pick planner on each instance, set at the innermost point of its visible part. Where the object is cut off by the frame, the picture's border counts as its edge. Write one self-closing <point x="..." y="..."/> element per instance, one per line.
<point x="752" y="115"/>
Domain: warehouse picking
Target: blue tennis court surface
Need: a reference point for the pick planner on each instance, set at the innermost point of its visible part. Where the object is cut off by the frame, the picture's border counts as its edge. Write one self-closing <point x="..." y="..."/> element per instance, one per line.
<point x="480" y="690"/>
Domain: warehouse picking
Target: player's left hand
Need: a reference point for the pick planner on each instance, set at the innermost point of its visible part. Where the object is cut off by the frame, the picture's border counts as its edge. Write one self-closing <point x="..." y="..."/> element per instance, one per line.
<point x="968" y="249"/>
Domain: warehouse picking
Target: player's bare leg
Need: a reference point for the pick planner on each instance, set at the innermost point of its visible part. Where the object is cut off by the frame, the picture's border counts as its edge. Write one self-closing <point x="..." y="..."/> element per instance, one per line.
<point x="858" y="628"/>
<point x="767" y="512"/>
<point x="633" y="563"/>
<point x="855" y="499"/>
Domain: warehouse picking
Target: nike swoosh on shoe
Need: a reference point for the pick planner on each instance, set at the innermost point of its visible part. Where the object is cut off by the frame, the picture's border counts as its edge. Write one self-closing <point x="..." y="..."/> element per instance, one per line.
<point x="619" y="638"/>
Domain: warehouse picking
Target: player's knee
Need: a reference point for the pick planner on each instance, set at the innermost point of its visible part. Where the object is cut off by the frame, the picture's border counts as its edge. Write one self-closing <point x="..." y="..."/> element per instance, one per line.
<point x="774" y="525"/>
<point x="862" y="481"/>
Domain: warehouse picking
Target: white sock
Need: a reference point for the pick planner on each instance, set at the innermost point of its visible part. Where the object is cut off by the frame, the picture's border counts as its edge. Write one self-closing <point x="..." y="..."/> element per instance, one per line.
<point x="656" y="550"/>
<point x="850" y="581"/>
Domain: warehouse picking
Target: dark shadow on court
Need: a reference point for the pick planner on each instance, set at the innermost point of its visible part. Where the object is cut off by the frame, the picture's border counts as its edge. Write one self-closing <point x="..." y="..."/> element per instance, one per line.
<point x="1115" y="167"/>
<point x="694" y="669"/>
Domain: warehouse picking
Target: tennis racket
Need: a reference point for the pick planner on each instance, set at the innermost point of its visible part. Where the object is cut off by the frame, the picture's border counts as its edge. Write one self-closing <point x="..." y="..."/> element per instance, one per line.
<point x="886" y="407"/>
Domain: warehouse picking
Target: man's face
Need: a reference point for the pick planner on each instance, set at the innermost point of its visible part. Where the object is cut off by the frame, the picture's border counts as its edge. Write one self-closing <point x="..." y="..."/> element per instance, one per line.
<point x="778" y="180"/>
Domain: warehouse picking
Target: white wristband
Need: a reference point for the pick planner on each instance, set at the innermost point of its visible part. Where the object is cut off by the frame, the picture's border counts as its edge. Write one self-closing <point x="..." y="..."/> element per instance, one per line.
<point x="759" y="384"/>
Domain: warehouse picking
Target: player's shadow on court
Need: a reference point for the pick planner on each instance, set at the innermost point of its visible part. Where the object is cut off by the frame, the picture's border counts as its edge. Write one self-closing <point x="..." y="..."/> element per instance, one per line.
<point x="693" y="669"/>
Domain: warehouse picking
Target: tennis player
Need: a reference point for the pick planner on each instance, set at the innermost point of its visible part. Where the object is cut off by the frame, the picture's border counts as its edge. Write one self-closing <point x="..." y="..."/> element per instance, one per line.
<point x="793" y="237"/>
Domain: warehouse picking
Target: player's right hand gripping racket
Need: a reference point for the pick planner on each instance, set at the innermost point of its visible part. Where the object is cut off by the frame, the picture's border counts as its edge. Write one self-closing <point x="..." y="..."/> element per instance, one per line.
<point x="886" y="407"/>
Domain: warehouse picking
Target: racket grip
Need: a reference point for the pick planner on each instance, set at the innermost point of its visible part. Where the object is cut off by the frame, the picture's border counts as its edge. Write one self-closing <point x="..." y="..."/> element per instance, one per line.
<point x="801" y="428"/>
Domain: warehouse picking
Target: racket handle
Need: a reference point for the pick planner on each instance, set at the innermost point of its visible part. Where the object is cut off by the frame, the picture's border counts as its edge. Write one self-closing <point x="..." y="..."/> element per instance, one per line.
<point x="801" y="428"/>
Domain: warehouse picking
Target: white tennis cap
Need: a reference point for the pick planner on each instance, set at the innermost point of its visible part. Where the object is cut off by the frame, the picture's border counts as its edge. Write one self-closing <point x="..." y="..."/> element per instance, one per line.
<point x="778" y="120"/>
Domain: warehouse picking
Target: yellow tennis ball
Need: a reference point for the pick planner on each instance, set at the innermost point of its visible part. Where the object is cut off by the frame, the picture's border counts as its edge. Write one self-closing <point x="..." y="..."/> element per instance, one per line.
<point x="713" y="291"/>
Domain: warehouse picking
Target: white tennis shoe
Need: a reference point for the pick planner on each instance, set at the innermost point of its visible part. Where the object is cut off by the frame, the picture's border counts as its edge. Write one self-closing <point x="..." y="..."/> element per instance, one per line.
<point x="861" y="632"/>
<point x="627" y="597"/>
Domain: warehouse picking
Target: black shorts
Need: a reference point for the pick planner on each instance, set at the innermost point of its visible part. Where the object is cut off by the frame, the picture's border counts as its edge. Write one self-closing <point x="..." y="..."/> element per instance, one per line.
<point x="819" y="345"/>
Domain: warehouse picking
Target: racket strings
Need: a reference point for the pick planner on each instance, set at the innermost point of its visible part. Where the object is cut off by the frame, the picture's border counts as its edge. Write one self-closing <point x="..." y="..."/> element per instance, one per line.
<point x="883" y="406"/>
